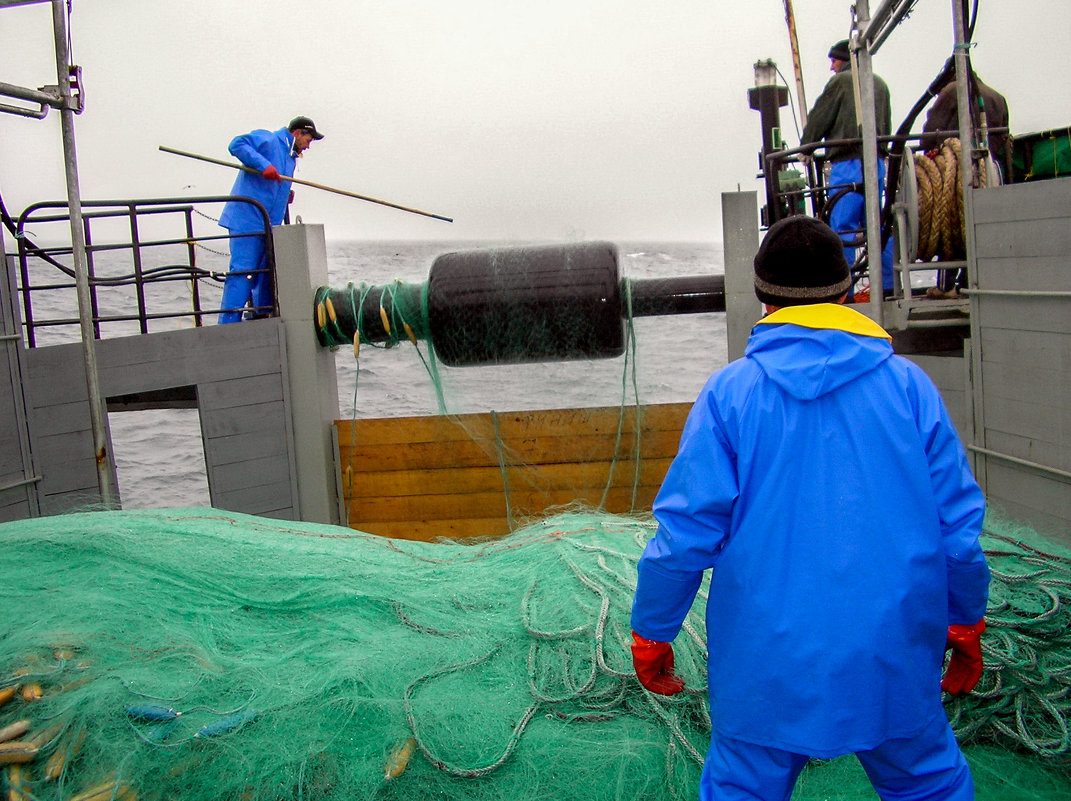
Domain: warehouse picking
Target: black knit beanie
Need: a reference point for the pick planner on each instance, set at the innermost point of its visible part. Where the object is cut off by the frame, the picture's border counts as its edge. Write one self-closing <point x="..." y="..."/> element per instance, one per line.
<point x="839" y="51"/>
<point x="801" y="260"/>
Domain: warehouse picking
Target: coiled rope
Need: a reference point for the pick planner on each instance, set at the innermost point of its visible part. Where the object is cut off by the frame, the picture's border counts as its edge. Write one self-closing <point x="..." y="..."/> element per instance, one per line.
<point x="942" y="224"/>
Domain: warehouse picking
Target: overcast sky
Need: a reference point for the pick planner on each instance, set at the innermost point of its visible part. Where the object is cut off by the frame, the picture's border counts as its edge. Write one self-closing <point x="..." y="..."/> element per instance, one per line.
<point x="549" y="120"/>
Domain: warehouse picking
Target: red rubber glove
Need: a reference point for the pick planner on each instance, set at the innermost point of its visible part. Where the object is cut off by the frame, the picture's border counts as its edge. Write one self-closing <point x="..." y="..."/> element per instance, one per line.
<point x="654" y="665"/>
<point x="965" y="665"/>
<point x="271" y="173"/>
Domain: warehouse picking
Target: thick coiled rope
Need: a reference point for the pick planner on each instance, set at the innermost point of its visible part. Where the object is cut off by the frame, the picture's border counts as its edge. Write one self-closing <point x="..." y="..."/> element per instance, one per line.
<point x="942" y="224"/>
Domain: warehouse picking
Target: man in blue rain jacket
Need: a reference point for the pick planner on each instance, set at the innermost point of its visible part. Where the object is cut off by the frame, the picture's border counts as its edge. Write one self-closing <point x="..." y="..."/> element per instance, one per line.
<point x="822" y="482"/>
<point x="273" y="155"/>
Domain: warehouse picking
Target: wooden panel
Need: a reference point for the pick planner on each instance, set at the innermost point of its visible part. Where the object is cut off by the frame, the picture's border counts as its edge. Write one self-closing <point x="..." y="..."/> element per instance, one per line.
<point x="1016" y="240"/>
<point x="1026" y="384"/>
<point x="273" y="500"/>
<point x="431" y="477"/>
<point x="225" y="394"/>
<point x="61" y="418"/>
<point x="1042" y="350"/>
<point x="1050" y="449"/>
<point x="489" y="504"/>
<point x="1030" y="314"/>
<point x="1026" y="201"/>
<point x="244" y="447"/>
<point x="1031" y="497"/>
<point x="234" y="420"/>
<point x="376" y="483"/>
<point x="238" y="373"/>
<point x="549" y="447"/>
<point x="1040" y="273"/>
<point x="250" y="473"/>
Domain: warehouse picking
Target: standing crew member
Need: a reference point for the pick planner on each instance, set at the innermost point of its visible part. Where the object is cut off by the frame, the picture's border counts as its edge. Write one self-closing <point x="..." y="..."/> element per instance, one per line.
<point x="273" y="154"/>
<point x="831" y="601"/>
<point x="944" y="116"/>
<point x="834" y="117"/>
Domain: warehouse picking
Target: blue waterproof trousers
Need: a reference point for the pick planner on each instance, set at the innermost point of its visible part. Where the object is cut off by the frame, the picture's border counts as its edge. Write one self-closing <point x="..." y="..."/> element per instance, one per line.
<point x="243" y="284"/>
<point x="848" y="215"/>
<point x="928" y="767"/>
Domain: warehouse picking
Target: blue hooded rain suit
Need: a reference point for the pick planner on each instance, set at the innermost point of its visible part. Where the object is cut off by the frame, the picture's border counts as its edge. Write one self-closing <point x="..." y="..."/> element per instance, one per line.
<point x="829" y="602"/>
<point x="257" y="149"/>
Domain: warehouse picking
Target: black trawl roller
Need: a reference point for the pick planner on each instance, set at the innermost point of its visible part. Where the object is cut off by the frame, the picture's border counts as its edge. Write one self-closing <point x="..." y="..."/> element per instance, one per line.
<point x="514" y="305"/>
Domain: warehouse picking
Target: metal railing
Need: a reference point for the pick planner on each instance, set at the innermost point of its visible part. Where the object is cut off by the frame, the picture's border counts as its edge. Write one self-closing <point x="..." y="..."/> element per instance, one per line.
<point x="122" y="289"/>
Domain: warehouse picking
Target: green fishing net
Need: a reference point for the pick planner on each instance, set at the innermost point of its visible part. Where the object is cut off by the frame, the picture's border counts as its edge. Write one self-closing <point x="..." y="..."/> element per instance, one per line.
<point x="197" y="654"/>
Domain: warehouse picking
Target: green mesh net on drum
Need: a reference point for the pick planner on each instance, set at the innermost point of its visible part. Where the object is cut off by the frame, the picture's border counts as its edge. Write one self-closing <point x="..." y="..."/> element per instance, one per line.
<point x="195" y="654"/>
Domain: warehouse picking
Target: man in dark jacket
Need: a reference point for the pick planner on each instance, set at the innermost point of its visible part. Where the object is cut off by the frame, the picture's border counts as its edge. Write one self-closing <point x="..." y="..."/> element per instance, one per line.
<point x="944" y="116"/>
<point x="273" y="155"/>
<point x="830" y="603"/>
<point x="834" y="117"/>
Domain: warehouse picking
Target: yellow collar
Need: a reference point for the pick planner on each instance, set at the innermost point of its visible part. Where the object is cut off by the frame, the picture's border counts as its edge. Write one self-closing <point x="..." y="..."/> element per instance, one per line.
<point x="828" y="315"/>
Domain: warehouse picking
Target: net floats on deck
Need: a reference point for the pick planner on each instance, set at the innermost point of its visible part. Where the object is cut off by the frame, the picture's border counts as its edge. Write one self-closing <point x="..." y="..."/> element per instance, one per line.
<point x="513" y="305"/>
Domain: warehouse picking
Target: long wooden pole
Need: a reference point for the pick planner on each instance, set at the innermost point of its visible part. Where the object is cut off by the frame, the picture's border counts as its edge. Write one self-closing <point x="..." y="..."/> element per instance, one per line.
<point x="236" y="166"/>
<point x="790" y="18"/>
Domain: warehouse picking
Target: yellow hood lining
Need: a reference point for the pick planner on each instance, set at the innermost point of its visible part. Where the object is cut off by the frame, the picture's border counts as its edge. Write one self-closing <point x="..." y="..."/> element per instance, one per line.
<point x="828" y="315"/>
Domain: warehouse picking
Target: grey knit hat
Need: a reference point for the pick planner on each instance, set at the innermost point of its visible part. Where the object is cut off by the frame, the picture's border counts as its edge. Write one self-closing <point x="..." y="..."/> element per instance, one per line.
<point x="801" y="260"/>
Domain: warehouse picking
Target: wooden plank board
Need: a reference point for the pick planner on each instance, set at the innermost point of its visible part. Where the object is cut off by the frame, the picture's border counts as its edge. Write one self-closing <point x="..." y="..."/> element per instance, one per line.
<point x="1030" y="314"/>
<point x="457" y="477"/>
<point x="487" y="504"/>
<point x="1050" y="450"/>
<point x="244" y="447"/>
<point x="1043" y="350"/>
<point x="1015" y="239"/>
<point x="1037" y="273"/>
<point x="511" y="425"/>
<point x="1037" y="496"/>
<point x="1026" y="201"/>
<point x="226" y="394"/>
<point x="439" y="481"/>
<point x="267" y="499"/>
<point x="250" y="473"/>
<point x="1026" y="384"/>
<point x="252" y="417"/>
<point x="549" y="448"/>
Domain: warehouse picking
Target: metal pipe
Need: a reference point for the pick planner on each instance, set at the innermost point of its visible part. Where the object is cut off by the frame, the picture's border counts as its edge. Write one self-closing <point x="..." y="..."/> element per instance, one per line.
<point x="864" y="79"/>
<point x="963" y="104"/>
<point x="98" y="421"/>
<point x="1004" y="457"/>
<point x="39" y="96"/>
<point x="694" y="294"/>
<point x="38" y="114"/>
<point x="1015" y="293"/>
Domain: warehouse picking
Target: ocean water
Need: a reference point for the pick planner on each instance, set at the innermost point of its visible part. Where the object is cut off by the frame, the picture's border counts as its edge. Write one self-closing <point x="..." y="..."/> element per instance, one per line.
<point x="672" y="359"/>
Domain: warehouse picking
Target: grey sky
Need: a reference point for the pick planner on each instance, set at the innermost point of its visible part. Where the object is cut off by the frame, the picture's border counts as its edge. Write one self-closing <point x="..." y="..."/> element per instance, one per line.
<point x="553" y="120"/>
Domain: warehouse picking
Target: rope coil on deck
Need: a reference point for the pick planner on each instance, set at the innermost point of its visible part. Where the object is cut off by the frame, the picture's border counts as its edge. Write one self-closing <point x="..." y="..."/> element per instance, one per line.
<point x="942" y="222"/>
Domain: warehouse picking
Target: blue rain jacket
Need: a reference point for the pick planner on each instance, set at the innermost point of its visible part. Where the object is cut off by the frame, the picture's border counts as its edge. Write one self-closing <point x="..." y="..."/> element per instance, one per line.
<point x="258" y="149"/>
<point x="821" y="480"/>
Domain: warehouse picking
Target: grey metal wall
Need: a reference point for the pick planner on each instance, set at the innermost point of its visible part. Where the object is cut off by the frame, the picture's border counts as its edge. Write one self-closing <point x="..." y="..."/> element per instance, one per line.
<point x="239" y="375"/>
<point x="18" y="494"/>
<point x="1021" y="350"/>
